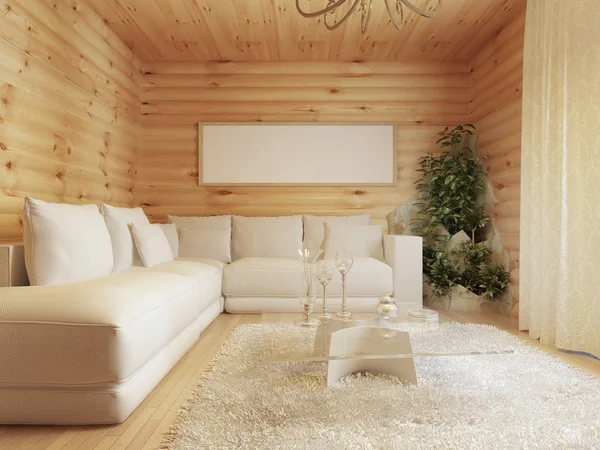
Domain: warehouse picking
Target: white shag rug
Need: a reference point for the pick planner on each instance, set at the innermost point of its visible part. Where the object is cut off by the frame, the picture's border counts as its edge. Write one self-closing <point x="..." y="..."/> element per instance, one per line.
<point x="527" y="400"/>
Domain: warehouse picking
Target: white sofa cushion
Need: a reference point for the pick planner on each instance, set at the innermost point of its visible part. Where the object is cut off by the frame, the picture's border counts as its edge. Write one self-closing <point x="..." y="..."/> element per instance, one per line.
<point x="205" y="243"/>
<point x="363" y="241"/>
<point x="170" y="231"/>
<point x="263" y="277"/>
<point x="202" y="222"/>
<point x="368" y="277"/>
<point x="65" y="243"/>
<point x="197" y="269"/>
<point x="266" y="237"/>
<point x="314" y="229"/>
<point x="152" y="244"/>
<point x="117" y="220"/>
<point x="211" y="262"/>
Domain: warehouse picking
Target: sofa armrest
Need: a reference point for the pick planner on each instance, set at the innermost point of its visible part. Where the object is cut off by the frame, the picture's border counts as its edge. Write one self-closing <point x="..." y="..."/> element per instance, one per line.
<point x="405" y="255"/>
<point x="12" y="265"/>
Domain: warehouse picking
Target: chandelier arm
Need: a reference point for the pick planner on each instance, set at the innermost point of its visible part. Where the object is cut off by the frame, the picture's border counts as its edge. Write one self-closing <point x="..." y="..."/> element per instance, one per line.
<point x="420" y="11"/>
<point x="365" y="24"/>
<point x="400" y="10"/>
<point x="328" y="8"/>
<point x="343" y="19"/>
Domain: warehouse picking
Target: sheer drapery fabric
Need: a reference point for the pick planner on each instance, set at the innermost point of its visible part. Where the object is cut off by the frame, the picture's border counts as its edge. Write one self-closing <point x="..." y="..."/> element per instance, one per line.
<point x="560" y="186"/>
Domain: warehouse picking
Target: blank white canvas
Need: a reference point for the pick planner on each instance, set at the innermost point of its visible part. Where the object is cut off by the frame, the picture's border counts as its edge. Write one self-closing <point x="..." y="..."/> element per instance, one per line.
<point x="297" y="154"/>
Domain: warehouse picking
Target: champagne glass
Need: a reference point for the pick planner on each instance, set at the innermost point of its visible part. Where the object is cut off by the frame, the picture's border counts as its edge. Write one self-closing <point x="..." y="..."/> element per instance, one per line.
<point x="307" y="295"/>
<point x="324" y="273"/>
<point x="343" y="262"/>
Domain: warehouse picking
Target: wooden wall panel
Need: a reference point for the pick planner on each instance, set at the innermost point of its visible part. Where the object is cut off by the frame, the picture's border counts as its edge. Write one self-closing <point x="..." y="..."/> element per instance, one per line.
<point x="69" y="109"/>
<point x="497" y="74"/>
<point x="421" y="97"/>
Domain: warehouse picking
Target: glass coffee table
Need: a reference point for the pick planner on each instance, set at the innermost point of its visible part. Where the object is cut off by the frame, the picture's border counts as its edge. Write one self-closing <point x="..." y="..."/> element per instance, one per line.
<point x="364" y="342"/>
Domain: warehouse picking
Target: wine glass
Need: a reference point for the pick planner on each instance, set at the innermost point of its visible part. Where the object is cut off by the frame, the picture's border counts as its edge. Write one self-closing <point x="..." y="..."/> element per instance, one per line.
<point x="324" y="273"/>
<point x="343" y="262"/>
<point x="307" y="294"/>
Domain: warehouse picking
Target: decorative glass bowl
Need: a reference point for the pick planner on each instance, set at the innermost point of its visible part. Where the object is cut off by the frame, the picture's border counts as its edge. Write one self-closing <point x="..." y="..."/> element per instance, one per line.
<point x="424" y="318"/>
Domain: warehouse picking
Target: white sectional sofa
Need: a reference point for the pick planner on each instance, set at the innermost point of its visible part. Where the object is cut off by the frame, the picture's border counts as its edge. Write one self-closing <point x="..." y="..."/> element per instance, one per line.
<point x="86" y="345"/>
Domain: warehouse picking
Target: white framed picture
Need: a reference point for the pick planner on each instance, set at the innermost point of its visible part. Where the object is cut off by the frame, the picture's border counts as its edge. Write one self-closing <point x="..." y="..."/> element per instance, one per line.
<point x="296" y="154"/>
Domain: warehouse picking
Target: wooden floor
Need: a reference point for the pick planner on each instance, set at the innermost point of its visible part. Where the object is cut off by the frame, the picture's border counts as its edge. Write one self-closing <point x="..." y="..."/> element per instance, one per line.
<point x="145" y="428"/>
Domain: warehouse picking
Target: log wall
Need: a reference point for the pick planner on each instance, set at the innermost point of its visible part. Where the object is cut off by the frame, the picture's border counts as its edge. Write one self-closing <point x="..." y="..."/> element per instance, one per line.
<point x="69" y="109"/>
<point x="497" y="77"/>
<point x="421" y="98"/>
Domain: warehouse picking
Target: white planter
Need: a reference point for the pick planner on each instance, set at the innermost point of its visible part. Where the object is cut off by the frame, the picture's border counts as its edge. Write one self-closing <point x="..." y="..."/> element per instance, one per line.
<point x="460" y="299"/>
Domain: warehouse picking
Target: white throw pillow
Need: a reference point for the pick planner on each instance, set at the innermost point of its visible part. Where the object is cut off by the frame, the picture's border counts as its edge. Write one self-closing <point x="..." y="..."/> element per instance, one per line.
<point x="118" y="221"/>
<point x="208" y="244"/>
<point x="266" y="237"/>
<point x="314" y="231"/>
<point x="363" y="241"/>
<point x="152" y="244"/>
<point x="170" y="231"/>
<point x="207" y="222"/>
<point x="65" y="243"/>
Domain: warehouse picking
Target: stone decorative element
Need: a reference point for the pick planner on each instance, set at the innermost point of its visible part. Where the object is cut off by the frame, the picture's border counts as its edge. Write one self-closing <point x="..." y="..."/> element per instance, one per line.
<point x="402" y="220"/>
<point x="455" y="242"/>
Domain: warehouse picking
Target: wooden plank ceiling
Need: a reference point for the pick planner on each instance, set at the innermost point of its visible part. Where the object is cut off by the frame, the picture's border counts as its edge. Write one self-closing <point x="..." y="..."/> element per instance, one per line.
<point x="272" y="30"/>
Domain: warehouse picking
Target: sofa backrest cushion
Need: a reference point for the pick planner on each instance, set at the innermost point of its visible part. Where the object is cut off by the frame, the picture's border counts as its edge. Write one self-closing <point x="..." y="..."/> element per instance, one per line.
<point x="266" y="237"/>
<point x="65" y="243"/>
<point x="118" y="221"/>
<point x="212" y="244"/>
<point x="170" y="231"/>
<point x="314" y="231"/>
<point x="207" y="222"/>
<point x="152" y="244"/>
<point x="363" y="241"/>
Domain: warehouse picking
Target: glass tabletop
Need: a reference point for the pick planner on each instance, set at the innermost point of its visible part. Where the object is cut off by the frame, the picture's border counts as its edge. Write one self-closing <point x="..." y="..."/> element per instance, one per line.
<point x="365" y="336"/>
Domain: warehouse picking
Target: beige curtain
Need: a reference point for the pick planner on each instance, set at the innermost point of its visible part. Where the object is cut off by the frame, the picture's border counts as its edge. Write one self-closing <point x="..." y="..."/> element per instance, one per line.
<point x="560" y="205"/>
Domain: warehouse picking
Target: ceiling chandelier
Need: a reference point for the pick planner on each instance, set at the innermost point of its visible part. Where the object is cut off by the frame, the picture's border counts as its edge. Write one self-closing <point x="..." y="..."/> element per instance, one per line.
<point x="395" y="9"/>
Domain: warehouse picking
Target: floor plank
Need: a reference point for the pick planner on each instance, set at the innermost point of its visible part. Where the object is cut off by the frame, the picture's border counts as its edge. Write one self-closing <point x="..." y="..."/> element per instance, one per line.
<point x="146" y="427"/>
<point x="33" y="438"/>
<point x="52" y="436"/>
<point x="106" y="443"/>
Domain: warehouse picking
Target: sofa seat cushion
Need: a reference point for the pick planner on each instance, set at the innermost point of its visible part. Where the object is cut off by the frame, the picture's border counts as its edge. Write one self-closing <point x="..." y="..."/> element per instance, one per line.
<point x="263" y="277"/>
<point x="96" y="332"/>
<point x="207" y="271"/>
<point x="368" y="277"/>
<point x="193" y="268"/>
<point x="211" y="262"/>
